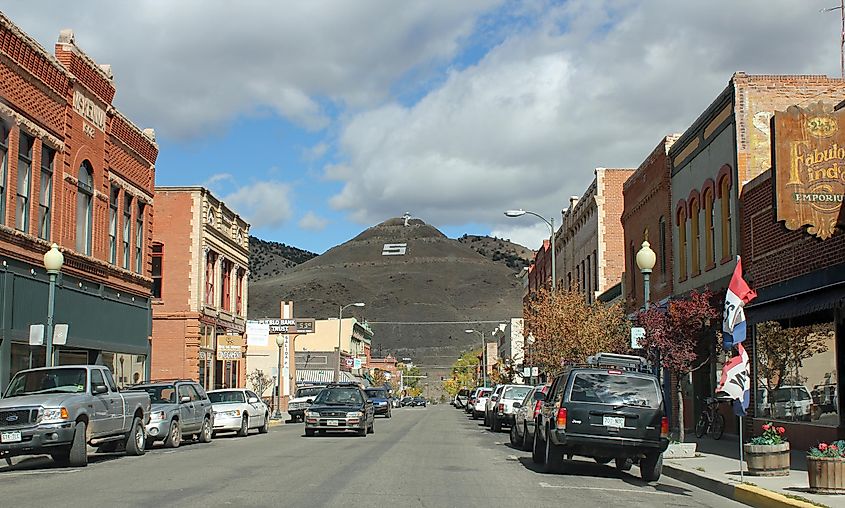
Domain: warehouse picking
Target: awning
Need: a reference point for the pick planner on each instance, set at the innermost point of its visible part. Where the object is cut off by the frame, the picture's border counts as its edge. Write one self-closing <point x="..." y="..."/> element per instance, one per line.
<point x="820" y="290"/>
<point x="326" y="376"/>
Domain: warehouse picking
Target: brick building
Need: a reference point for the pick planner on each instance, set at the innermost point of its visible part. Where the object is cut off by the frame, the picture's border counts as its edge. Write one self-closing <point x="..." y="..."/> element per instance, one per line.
<point x="77" y="173"/>
<point x="648" y="216"/>
<point x="200" y="257"/>
<point x="540" y="272"/>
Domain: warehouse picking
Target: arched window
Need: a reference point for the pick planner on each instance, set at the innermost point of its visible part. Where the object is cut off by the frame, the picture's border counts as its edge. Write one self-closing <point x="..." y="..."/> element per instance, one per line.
<point x="725" y="203"/>
<point x="695" y="237"/>
<point x="682" y="243"/>
<point x="84" y="208"/>
<point x="709" y="230"/>
<point x="634" y="271"/>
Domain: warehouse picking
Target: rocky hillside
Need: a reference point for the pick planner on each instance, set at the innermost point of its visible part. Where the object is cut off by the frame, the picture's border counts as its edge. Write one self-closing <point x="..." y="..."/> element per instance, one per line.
<point x="514" y="256"/>
<point x="268" y="259"/>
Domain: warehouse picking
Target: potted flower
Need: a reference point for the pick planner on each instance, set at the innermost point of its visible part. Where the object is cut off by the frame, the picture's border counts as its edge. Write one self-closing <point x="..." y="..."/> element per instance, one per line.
<point x="826" y="468"/>
<point x="768" y="453"/>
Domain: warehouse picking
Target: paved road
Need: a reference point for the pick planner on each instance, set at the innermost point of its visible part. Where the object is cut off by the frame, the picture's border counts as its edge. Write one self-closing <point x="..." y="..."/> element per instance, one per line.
<point x="422" y="457"/>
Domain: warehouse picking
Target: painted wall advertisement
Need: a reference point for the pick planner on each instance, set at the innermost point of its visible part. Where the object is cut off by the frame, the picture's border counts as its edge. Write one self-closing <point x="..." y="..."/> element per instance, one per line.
<point x="809" y="168"/>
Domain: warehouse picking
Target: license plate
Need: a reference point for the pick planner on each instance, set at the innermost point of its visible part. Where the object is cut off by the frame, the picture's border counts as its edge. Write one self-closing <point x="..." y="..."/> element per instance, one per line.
<point x="10" y="437"/>
<point x="331" y="423"/>
<point x="614" y="421"/>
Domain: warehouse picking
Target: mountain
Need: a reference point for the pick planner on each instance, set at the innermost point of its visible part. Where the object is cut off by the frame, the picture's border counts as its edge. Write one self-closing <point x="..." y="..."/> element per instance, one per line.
<point x="419" y="303"/>
<point x="268" y="259"/>
<point x="514" y="256"/>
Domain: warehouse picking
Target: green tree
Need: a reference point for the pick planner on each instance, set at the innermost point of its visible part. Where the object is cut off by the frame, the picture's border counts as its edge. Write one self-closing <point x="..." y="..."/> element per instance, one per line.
<point x="464" y="372"/>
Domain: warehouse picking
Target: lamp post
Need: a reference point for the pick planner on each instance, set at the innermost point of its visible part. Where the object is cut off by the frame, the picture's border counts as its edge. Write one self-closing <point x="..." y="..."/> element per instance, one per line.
<point x="645" y="262"/>
<point x="483" y="355"/>
<point x="277" y="414"/>
<point x="53" y="261"/>
<point x="339" y="327"/>
<point x="551" y="224"/>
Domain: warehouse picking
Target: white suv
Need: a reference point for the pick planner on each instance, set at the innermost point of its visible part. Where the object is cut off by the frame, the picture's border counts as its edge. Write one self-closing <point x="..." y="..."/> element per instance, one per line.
<point x="480" y="402"/>
<point x="503" y="411"/>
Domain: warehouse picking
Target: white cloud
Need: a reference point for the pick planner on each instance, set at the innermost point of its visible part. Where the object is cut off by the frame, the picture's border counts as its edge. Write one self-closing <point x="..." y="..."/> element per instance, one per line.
<point x="217" y="178"/>
<point x="315" y="152"/>
<point x="311" y="222"/>
<point x="263" y="204"/>
<point x="530" y="236"/>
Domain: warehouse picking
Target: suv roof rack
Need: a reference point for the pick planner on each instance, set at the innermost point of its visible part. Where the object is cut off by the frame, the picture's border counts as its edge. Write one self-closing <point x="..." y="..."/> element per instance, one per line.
<point x="617" y="361"/>
<point x="154" y="381"/>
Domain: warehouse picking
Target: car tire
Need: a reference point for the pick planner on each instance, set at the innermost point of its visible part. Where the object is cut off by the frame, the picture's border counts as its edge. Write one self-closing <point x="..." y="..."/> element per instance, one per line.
<point x="497" y="424"/>
<point x="136" y="440"/>
<point x="651" y="466"/>
<point x="553" y="458"/>
<point x="174" y="435"/>
<point x="206" y="434"/>
<point x="266" y="427"/>
<point x="309" y="432"/>
<point x="624" y="463"/>
<point x="78" y="451"/>
<point x="516" y="441"/>
<point x="538" y="449"/>
<point x="602" y="460"/>
<point x="244" y="430"/>
<point x="362" y="432"/>
<point x="526" y="443"/>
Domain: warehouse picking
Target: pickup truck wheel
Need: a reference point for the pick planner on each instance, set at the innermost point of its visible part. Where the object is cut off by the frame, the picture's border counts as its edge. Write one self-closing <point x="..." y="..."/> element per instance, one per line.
<point x="516" y="441"/>
<point x="244" y="430"/>
<point x="539" y="448"/>
<point x="624" y="463"/>
<point x="78" y="456"/>
<point x="205" y="431"/>
<point x="174" y="435"/>
<point x="497" y="424"/>
<point x="651" y="466"/>
<point x="136" y="439"/>
<point x="266" y="427"/>
<point x="553" y="460"/>
<point x="602" y="460"/>
<point x="526" y="444"/>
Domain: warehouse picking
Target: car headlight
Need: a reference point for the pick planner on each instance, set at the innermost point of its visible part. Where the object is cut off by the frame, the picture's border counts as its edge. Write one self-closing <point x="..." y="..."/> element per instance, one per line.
<point x="235" y="413"/>
<point x="354" y="414"/>
<point x="312" y="414"/>
<point x="158" y="415"/>
<point x="53" y="415"/>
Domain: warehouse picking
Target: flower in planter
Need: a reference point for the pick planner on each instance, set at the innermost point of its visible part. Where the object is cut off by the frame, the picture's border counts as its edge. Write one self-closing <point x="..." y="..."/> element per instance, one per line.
<point x="836" y="449"/>
<point x="771" y="435"/>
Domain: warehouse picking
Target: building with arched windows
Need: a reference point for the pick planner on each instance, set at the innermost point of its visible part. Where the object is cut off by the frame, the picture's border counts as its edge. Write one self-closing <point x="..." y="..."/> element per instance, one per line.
<point x="75" y="172"/>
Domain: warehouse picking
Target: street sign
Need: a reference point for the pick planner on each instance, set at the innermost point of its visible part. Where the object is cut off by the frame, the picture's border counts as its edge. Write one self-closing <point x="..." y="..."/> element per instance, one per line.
<point x="36" y="335"/>
<point x="288" y="326"/>
<point x="526" y="372"/>
<point x="535" y="371"/>
<point x="60" y="334"/>
<point x="257" y="333"/>
<point x="356" y="363"/>
<point x="637" y="333"/>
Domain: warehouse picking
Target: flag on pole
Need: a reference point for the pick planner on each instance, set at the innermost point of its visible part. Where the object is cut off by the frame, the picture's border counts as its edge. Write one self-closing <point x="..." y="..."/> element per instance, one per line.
<point x="736" y="381"/>
<point x="738" y="294"/>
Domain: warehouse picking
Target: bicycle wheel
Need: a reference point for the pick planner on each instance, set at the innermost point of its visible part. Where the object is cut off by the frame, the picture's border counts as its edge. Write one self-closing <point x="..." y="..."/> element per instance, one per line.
<point x="717" y="427"/>
<point x="701" y="425"/>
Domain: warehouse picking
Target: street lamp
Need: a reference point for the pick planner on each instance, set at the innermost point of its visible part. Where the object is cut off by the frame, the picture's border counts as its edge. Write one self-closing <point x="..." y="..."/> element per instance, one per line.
<point x="551" y="223"/>
<point x="339" y="323"/>
<point x="645" y="262"/>
<point x="53" y="261"/>
<point x="483" y="355"/>
<point x="277" y="414"/>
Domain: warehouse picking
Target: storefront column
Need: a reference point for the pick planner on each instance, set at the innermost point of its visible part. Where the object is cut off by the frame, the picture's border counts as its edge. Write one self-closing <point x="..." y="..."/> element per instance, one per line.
<point x="5" y="362"/>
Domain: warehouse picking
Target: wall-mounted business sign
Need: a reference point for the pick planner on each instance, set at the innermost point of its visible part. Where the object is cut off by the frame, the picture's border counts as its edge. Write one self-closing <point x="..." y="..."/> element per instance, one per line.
<point x="230" y="347"/>
<point x="297" y="326"/>
<point x="809" y="167"/>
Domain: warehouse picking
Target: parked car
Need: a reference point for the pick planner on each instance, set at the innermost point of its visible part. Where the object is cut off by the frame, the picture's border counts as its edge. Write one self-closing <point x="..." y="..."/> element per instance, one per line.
<point x="503" y="409"/>
<point x="340" y="407"/>
<point x="470" y="401"/>
<point x="460" y="400"/>
<point x="179" y="408"/>
<point x="480" y="403"/>
<point x="381" y="401"/>
<point x="609" y="409"/>
<point x="238" y="409"/>
<point x="406" y="401"/>
<point x="792" y="402"/>
<point x="419" y="402"/>
<point x="59" y="411"/>
<point x="490" y="404"/>
<point x="302" y="400"/>
<point x="522" y="430"/>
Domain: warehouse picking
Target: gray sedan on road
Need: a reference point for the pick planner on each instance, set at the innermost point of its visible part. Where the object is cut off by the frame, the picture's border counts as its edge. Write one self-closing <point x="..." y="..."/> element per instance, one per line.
<point x="179" y="408"/>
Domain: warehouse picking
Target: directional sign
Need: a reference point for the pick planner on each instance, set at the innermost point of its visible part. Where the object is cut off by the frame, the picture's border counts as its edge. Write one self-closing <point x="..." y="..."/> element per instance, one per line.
<point x="36" y="335"/>
<point x="637" y="333"/>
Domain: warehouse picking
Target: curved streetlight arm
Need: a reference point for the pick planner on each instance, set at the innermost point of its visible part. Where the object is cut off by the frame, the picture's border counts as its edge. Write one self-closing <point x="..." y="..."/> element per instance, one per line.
<point x="551" y="224"/>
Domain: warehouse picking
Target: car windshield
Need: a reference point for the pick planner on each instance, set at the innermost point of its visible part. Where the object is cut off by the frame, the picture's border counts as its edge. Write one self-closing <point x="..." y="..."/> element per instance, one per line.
<point x="516" y="392"/>
<point x="310" y="391"/>
<point x="615" y="389"/>
<point x="159" y="394"/>
<point x="47" y="381"/>
<point x="484" y="393"/>
<point x="232" y="397"/>
<point x="376" y="394"/>
<point x="339" y="396"/>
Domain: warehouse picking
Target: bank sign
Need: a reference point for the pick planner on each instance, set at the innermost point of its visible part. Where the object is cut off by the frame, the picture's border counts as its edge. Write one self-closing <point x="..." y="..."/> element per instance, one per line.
<point x="809" y="167"/>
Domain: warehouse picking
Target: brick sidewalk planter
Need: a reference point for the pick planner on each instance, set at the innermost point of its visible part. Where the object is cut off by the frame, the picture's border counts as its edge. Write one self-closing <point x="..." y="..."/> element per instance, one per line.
<point x="767" y="460"/>
<point x="826" y="475"/>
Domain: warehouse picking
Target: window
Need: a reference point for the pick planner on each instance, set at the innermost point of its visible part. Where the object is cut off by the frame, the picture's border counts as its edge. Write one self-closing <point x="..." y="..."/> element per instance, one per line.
<point x="25" y="144"/>
<point x="96" y="379"/>
<point x="158" y="257"/>
<point x="239" y="293"/>
<point x="45" y="197"/>
<point x="139" y="239"/>
<point x="709" y="230"/>
<point x="226" y="296"/>
<point x="114" y="197"/>
<point x="634" y="270"/>
<point x="596" y="269"/>
<point x="725" y="202"/>
<point x="84" y="208"/>
<point x="589" y="280"/>
<point x="4" y="152"/>
<point x="127" y="229"/>
<point x="210" y="259"/>
<point x="661" y="245"/>
<point x="695" y="236"/>
<point x="682" y="243"/>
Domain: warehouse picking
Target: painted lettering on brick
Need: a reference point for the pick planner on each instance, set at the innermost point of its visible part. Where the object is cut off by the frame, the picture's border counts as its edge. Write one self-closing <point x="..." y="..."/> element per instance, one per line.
<point x="89" y="110"/>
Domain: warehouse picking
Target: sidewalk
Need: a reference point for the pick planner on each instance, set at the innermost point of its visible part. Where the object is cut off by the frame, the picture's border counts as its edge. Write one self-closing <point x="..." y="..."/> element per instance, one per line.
<point x="716" y="468"/>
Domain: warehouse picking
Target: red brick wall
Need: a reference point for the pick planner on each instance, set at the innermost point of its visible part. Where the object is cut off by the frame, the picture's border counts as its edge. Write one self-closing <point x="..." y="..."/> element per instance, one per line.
<point x="613" y="251"/>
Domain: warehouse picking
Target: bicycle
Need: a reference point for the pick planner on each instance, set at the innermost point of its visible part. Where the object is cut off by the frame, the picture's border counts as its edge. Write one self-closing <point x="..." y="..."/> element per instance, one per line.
<point x="710" y="420"/>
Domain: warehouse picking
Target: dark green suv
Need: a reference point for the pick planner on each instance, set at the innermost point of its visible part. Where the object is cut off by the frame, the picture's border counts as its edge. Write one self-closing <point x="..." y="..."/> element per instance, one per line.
<point x="340" y="407"/>
<point x="611" y="408"/>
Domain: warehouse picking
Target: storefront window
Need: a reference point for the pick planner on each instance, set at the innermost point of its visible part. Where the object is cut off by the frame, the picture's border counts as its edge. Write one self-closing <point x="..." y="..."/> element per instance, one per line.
<point x="25" y="356"/>
<point x="127" y="369"/>
<point x="796" y="370"/>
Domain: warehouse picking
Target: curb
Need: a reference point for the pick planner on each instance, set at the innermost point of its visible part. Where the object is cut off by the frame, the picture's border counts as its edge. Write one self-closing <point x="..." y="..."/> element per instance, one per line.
<point x="750" y="495"/>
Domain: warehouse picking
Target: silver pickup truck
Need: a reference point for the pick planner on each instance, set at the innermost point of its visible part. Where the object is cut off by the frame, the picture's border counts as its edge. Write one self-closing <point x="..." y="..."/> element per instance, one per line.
<point x="60" y="410"/>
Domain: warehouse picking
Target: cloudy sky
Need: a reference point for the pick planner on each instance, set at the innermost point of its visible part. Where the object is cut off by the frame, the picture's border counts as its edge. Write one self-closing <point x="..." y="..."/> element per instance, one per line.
<point x="316" y="119"/>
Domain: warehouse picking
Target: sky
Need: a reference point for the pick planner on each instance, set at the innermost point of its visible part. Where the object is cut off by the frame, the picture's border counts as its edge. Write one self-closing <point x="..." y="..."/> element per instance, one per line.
<point x="317" y="119"/>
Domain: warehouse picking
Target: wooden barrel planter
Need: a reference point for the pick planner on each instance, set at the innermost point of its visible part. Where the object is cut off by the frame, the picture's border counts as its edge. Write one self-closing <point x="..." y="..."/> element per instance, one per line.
<point x="767" y="460"/>
<point x="826" y="475"/>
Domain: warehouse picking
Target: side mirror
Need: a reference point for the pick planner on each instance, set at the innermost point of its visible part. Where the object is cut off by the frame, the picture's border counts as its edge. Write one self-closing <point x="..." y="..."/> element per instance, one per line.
<point x="517" y="405"/>
<point x="184" y="399"/>
<point x="99" y="389"/>
<point x="539" y="396"/>
<point x="253" y="400"/>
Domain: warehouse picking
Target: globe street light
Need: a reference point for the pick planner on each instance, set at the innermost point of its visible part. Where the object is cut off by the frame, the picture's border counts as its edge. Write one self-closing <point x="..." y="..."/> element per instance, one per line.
<point x="551" y="224"/>
<point x="339" y="323"/>
<point x="645" y="262"/>
<point x="277" y="414"/>
<point x="483" y="355"/>
<point x="53" y="261"/>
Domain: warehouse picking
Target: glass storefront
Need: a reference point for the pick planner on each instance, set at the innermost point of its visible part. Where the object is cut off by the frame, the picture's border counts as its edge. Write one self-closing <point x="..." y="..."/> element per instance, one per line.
<point x="127" y="369"/>
<point x="25" y="356"/>
<point x="795" y="362"/>
<point x="206" y="357"/>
